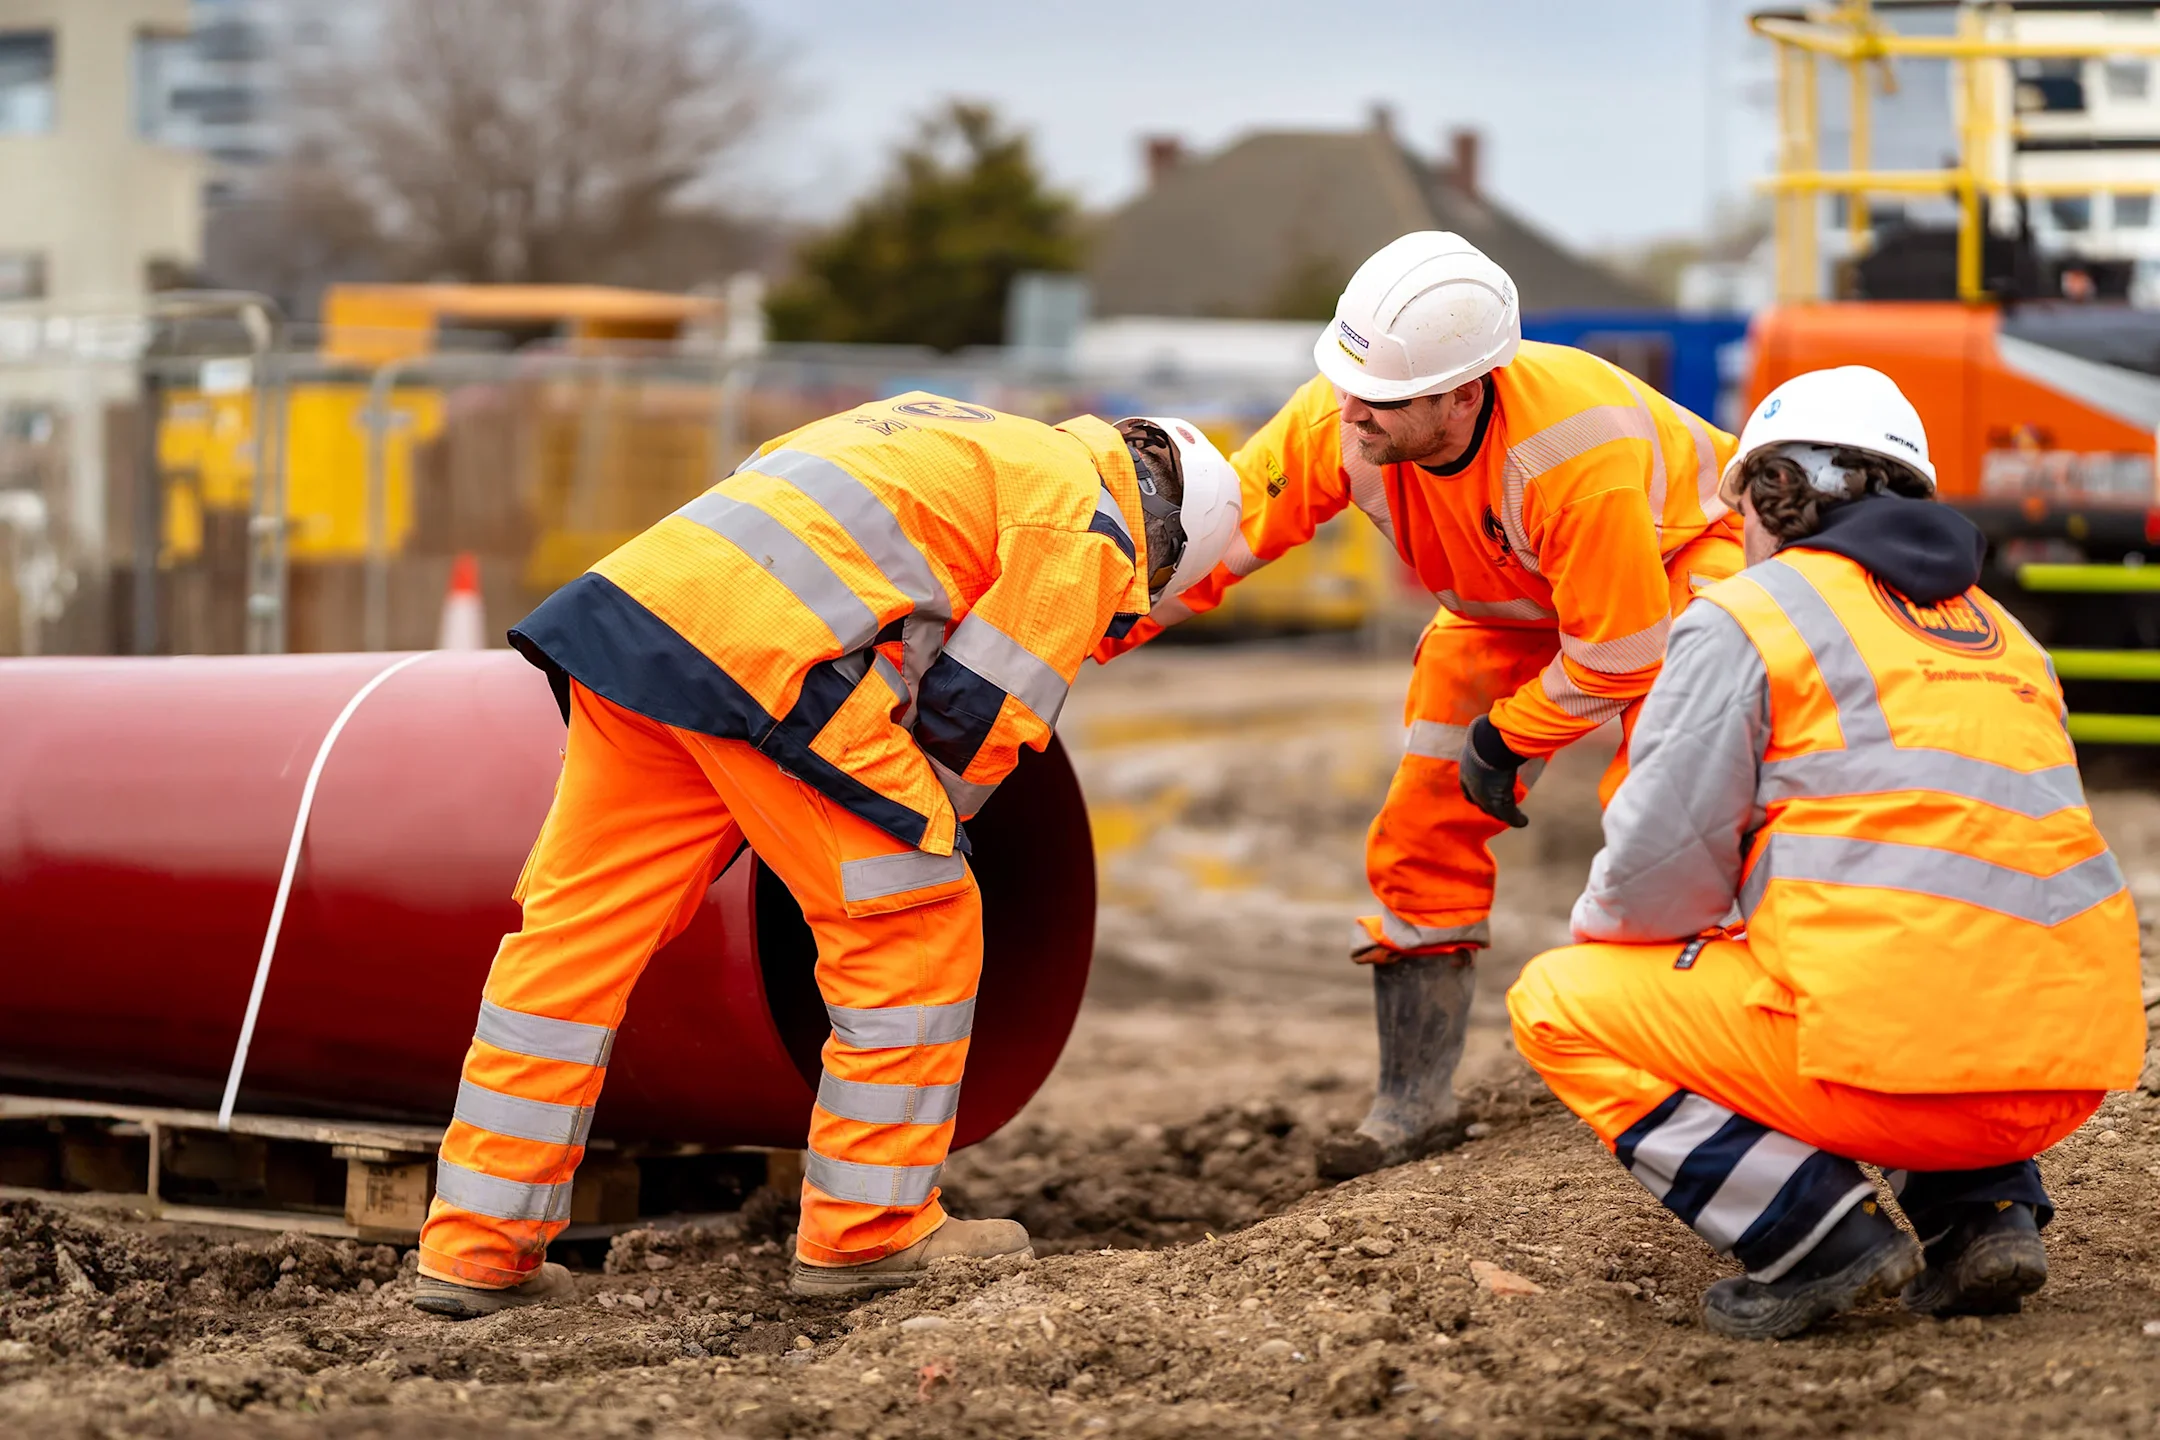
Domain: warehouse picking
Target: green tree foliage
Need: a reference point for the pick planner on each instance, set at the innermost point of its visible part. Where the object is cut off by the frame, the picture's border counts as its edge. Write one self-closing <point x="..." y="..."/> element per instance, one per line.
<point x="928" y="258"/>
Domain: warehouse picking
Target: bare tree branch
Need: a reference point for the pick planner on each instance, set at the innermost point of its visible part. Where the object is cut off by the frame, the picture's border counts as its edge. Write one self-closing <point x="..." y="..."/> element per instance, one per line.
<point x="534" y="140"/>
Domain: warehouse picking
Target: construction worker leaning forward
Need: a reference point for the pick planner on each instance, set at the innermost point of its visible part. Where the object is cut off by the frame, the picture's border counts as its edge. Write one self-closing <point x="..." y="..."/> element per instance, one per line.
<point x="833" y="656"/>
<point x="1562" y="512"/>
<point x="1851" y="905"/>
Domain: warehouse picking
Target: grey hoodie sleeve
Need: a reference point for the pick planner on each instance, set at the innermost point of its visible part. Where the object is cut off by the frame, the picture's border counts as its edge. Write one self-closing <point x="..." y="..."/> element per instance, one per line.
<point x="1675" y="833"/>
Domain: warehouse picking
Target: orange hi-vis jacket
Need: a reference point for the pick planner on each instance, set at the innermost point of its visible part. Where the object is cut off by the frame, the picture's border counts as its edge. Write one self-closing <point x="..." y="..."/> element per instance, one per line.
<point x="888" y="602"/>
<point x="1927" y="894"/>
<point x="1580" y="485"/>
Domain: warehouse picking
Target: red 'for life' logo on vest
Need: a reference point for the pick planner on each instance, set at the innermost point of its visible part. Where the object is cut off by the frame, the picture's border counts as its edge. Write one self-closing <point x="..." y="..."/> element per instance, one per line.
<point x="1956" y="624"/>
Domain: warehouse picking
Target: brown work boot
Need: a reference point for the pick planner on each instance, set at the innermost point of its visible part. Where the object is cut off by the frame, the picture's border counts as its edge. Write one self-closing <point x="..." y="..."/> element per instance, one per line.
<point x="469" y="1302"/>
<point x="1422" y="1006"/>
<point x="971" y="1239"/>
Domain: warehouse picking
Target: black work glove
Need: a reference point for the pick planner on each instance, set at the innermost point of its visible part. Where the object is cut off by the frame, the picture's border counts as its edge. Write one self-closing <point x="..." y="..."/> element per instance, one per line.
<point x="1488" y="773"/>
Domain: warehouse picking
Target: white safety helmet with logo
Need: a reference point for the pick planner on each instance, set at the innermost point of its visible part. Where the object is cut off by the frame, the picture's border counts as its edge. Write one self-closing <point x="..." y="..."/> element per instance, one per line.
<point x="1426" y="313"/>
<point x="1207" y="514"/>
<point x="1811" y="417"/>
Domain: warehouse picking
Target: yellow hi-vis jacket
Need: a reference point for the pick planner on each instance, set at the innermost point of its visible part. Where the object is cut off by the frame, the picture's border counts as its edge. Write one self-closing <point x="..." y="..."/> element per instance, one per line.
<point x="889" y="602"/>
<point x="1927" y="889"/>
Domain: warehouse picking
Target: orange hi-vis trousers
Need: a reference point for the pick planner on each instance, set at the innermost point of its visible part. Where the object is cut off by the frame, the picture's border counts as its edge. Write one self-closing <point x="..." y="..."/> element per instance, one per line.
<point x="644" y="819"/>
<point x="1428" y="854"/>
<point x="1684" y="1058"/>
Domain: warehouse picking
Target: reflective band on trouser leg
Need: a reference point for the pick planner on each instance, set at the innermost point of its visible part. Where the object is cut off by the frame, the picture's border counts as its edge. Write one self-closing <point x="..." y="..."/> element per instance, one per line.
<point x="1763" y="1197"/>
<point x="503" y="1199"/>
<point x="891" y="1185"/>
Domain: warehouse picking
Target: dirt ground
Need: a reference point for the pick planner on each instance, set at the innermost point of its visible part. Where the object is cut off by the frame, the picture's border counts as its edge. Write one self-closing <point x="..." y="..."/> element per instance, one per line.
<point x="1194" y="1279"/>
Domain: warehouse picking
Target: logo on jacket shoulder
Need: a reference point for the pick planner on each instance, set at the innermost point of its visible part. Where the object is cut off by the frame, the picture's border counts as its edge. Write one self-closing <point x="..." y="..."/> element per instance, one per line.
<point x="1957" y="624"/>
<point x="944" y="410"/>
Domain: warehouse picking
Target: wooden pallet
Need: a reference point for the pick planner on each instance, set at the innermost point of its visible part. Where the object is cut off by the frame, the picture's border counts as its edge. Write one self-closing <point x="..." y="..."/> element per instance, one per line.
<point x="351" y="1179"/>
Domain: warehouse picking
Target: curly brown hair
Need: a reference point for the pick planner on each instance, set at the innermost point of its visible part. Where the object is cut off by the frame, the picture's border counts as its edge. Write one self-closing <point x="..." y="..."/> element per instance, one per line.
<point x="1791" y="508"/>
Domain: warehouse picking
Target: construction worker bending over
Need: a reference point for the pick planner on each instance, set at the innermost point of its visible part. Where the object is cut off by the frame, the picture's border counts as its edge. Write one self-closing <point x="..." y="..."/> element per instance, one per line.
<point x="833" y="656"/>
<point x="1562" y="512"/>
<point x="1861" y="758"/>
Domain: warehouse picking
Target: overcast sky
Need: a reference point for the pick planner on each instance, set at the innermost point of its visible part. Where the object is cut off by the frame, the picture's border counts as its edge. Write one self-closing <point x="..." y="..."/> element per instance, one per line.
<point x="1594" y="111"/>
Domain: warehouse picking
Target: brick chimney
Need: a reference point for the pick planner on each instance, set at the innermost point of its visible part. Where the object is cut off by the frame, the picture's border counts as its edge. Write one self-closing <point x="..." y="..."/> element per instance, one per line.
<point x="1163" y="153"/>
<point x="1463" y="146"/>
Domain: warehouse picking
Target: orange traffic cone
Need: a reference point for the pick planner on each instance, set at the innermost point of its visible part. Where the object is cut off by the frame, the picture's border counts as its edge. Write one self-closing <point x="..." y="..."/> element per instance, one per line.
<point x="464" y="618"/>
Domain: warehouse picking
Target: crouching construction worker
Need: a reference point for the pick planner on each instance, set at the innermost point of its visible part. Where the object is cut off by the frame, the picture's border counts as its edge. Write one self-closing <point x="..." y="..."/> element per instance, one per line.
<point x="1851" y="905"/>
<point x="833" y="656"/>
<point x="1562" y="512"/>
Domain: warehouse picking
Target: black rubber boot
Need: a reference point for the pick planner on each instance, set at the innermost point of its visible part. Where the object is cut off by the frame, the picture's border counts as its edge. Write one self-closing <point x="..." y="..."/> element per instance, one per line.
<point x="1422" y="1005"/>
<point x="1986" y="1263"/>
<point x="1862" y="1256"/>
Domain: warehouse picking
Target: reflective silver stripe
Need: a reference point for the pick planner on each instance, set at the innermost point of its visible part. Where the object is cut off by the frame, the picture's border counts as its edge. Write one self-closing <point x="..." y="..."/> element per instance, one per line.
<point x="1368" y="482"/>
<point x="890" y="676"/>
<point x="1871" y="761"/>
<point x="967" y="797"/>
<point x="1169" y="611"/>
<point x="1806" y="1243"/>
<point x="1557" y="444"/>
<point x="1437" y="740"/>
<point x="783" y="553"/>
<point x="922" y="640"/>
<point x="524" y="1119"/>
<point x="1239" y="557"/>
<point x="1571" y="699"/>
<point x="888" y="1104"/>
<point x="869" y="522"/>
<point x="1749" y="1187"/>
<point x="1940" y="874"/>
<point x="543" y="1037"/>
<point x="1623" y="654"/>
<point x="1659" y="1157"/>
<point x="878" y="876"/>
<point x="1009" y="665"/>
<point x="1402" y="935"/>
<point x="1706" y="465"/>
<point x="895" y="1027"/>
<point x="871" y="1184"/>
<point x="1106" y="505"/>
<point x="1495" y="609"/>
<point x="1657" y="451"/>
<point x="503" y="1199"/>
<point x="1878" y="770"/>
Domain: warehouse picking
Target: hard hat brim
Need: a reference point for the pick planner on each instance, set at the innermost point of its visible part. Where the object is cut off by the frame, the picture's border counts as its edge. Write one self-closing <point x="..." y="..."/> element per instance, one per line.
<point x="1342" y="370"/>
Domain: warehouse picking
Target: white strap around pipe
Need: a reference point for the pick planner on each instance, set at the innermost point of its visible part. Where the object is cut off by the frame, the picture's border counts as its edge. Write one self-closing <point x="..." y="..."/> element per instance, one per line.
<point x="285" y="880"/>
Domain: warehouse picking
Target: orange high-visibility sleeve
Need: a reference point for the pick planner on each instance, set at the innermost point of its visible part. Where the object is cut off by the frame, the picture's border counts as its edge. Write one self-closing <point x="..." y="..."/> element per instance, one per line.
<point x="1004" y="673"/>
<point x="1291" y="480"/>
<point x="1599" y="551"/>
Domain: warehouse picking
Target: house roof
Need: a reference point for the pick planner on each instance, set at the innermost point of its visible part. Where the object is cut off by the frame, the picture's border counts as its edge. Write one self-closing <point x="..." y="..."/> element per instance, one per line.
<point x="1255" y="229"/>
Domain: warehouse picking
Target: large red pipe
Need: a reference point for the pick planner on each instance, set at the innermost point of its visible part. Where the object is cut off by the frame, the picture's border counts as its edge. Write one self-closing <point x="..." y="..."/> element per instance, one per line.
<point x="145" y="810"/>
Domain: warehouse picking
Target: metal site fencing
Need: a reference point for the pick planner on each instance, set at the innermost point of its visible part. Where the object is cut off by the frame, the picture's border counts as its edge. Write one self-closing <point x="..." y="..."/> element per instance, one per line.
<point x="194" y="476"/>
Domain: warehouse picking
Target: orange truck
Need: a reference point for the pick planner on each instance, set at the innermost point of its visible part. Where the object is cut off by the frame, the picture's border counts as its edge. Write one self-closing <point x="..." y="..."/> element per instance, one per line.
<point x="2042" y="420"/>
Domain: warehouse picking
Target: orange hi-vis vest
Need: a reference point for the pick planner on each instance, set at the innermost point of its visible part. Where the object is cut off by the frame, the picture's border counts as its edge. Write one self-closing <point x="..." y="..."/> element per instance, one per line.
<point x="1927" y="890"/>
<point x="889" y="602"/>
<point x="1580" y="483"/>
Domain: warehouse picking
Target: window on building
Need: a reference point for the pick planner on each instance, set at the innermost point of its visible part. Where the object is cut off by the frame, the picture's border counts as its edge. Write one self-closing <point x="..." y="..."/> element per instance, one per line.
<point x="2133" y="212"/>
<point x="22" y="275"/>
<point x="217" y="104"/>
<point x="26" y="82"/>
<point x="158" y="59"/>
<point x="2128" y="79"/>
<point x="230" y="40"/>
<point x="2071" y="212"/>
<point x="2051" y="86"/>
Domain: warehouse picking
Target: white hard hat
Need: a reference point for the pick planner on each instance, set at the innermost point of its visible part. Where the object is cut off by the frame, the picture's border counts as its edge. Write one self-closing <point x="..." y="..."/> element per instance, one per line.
<point x="1850" y="408"/>
<point x="1426" y="313"/>
<point x="1211" y="507"/>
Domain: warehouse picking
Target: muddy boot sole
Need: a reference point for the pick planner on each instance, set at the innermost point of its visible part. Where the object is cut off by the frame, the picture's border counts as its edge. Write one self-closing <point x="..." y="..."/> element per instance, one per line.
<point x="829" y="1282"/>
<point x="1992" y="1277"/>
<point x="1352" y="1153"/>
<point x="452" y="1301"/>
<point x="1882" y="1271"/>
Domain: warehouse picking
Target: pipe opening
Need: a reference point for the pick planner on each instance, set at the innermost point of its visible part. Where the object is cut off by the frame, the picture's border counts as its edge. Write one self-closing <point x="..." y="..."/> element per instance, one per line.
<point x="787" y="958"/>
